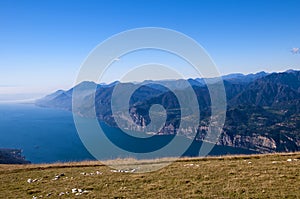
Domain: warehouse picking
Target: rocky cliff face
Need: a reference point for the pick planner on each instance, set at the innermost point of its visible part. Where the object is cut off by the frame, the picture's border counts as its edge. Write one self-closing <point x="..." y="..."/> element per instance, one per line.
<point x="12" y="156"/>
<point x="254" y="142"/>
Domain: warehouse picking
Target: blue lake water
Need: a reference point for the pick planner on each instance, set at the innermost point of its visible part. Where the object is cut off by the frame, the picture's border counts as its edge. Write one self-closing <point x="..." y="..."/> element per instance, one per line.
<point x="49" y="135"/>
<point x="45" y="135"/>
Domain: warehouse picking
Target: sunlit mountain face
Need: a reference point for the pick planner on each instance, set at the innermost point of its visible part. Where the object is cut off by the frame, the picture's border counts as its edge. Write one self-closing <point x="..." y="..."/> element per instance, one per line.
<point x="262" y="109"/>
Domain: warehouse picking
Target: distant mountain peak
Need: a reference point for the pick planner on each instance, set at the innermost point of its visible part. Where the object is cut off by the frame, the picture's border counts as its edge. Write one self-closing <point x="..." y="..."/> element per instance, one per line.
<point x="291" y="71"/>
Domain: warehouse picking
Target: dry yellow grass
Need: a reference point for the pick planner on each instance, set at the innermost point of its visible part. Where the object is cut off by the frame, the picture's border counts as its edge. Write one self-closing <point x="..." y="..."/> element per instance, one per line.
<point x="254" y="176"/>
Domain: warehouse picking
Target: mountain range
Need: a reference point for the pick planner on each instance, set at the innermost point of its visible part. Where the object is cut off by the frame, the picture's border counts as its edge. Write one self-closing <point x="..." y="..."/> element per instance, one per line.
<point x="263" y="109"/>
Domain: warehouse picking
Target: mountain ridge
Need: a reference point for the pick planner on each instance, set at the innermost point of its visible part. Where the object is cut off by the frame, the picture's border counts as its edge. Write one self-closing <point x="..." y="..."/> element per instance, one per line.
<point x="262" y="114"/>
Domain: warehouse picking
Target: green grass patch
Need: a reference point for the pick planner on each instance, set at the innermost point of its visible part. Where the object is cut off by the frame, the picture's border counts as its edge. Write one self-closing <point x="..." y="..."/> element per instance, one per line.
<point x="254" y="176"/>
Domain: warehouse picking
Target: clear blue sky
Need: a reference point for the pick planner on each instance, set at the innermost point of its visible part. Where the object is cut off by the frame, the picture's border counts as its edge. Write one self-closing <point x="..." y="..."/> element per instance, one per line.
<point x="43" y="43"/>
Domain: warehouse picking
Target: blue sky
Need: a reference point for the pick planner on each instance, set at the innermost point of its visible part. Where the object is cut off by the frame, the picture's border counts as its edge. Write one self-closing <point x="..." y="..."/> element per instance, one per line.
<point x="43" y="43"/>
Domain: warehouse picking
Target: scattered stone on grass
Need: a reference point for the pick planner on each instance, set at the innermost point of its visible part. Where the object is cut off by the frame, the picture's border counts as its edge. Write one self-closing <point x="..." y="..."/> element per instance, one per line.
<point x="91" y="174"/>
<point x="124" y="170"/>
<point x="32" y="180"/>
<point x="190" y="165"/>
<point x="56" y="177"/>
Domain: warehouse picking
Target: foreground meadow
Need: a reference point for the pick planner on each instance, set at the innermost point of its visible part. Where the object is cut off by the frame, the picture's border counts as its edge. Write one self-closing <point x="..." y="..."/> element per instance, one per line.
<point x="255" y="176"/>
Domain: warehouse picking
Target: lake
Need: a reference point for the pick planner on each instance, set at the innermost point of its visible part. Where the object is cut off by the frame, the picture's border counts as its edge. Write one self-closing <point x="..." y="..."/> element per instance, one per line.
<point x="45" y="135"/>
<point x="49" y="135"/>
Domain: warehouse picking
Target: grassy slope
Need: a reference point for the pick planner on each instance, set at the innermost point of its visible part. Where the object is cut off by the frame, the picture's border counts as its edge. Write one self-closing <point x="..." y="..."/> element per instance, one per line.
<point x="267" y="176"/>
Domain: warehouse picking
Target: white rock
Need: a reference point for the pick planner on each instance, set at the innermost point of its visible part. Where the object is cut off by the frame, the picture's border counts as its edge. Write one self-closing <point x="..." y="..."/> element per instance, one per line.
<point x="133" y="170"/>
<point x="78" y="194"/>
<point x="61" y="193"/>
<point x="289" y="160"/>
<point x="114" y="171"/>
<point x="29" y="180"/>
<point x="98" y="173"/>
<point x="74" y="190"/>
<point x="80" y="190"/>
<point x="56" y="177"/>
<point x="249" y="162"/>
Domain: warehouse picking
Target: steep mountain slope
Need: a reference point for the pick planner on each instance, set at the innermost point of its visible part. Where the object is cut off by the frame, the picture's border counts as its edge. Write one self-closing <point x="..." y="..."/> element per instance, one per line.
<point x="271" y="90"/>
<point x="263" y="109"/>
